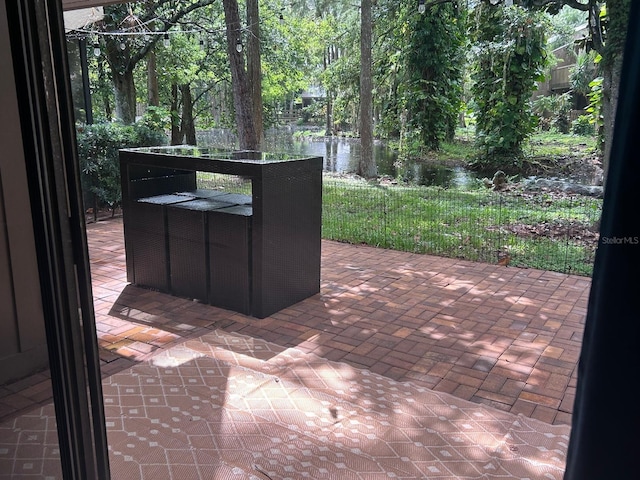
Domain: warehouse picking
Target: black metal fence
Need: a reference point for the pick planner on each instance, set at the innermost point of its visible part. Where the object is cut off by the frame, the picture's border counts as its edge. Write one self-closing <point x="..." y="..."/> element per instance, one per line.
<point x="546" y="230"/>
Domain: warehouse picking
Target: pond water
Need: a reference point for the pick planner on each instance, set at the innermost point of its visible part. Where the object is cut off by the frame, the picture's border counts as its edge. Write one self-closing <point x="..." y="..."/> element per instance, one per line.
<point x="341" y="155"/>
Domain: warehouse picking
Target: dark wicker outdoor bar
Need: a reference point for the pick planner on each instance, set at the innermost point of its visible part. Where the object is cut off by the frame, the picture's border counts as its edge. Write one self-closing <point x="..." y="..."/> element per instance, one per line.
<point x="251" y="253"/>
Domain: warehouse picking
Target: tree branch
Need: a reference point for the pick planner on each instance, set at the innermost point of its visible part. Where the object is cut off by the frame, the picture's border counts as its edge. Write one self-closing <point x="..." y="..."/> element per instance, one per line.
<point x="577" y="4"/>
<point x="168" y="23"/>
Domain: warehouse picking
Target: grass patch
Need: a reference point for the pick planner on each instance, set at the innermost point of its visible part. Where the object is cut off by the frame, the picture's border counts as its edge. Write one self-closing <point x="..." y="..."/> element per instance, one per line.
<point x="543" y="150"/>
<point x="219" y="181"/>
<point x="454" y="152"/>
<point x="541" y="231"/>
<point x="552" y="144"/>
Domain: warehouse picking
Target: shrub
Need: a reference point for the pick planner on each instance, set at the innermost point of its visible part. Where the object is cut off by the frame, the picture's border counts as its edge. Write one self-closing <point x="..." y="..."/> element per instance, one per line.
<point x="583" y="125"/>
<point x="98" y="147"/>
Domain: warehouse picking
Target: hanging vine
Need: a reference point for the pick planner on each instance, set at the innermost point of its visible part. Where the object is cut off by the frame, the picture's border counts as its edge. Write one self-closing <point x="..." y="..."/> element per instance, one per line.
<point x="510" y="57"/>
<point x="435" y="63"/>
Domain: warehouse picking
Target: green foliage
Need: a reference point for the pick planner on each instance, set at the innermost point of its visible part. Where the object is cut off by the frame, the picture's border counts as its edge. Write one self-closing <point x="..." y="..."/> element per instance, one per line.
<point x="291" y="49"/>
<point x="156" y="119"/>
<point x="584" y="71"/>
<point x="552" y="144"/>
<point x="594" y="109"/>
<point x="98" y="146"/>
<point x="564" y="24"/>
<point x="435" y="57"/>
<point x="615" y="17"/>
<point x="582" y="126"/>
<point x="418" y="69"/>
<point x="340" y="63"/>
<point x="553" y="112"/>
<point x="510" y="56"/>
<point x="102" y="95"/>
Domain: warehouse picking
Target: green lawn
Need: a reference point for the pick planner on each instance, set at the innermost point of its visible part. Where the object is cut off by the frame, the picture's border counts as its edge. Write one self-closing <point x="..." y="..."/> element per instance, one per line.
<point x="538" y="231"/>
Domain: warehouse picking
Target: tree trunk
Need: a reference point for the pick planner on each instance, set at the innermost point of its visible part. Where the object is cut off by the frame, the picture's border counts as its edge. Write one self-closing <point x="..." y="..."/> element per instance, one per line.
<point x="241" y="91"/>
<point x="329" y="96"/>
<point x="123" y="84"/>
<point x="187" y="125"/>
<point x="125" y="96"/>
<point x="366" y="165"/>
<point x="103" y="81"/>
<point x="329" y="119"/>
<point x="254" y="67"/>
<point x="610" y="85"/>
<point x="153" y="97"/>
<point x="176" y="133"/>
<point x="612" y="56"/>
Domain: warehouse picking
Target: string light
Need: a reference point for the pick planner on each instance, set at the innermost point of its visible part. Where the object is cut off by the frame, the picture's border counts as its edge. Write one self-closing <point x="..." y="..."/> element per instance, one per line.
<point x="421" y="6"/>
<point x="123" y="37"/>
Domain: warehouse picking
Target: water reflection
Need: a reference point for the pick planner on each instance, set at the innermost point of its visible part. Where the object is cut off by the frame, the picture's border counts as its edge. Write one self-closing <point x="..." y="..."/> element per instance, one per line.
<point x="437" y="175"/>
<point x="341" y="155"/>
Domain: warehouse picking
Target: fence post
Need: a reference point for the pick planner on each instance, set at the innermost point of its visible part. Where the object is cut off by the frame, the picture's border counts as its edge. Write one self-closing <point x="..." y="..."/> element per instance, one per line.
<point x="567" y="268"/>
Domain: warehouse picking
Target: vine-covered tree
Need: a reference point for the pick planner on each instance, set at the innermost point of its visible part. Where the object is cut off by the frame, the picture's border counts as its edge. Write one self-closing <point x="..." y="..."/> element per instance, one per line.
<point x="509" y="47"/>
<point x="435" y="66"/>
<point x="419" y="65"/>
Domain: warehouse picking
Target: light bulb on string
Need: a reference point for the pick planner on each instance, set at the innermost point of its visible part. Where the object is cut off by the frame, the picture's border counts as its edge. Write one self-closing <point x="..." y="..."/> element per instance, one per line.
<point x="239" y="46"/>
<point x="166" y="42"/>
<point x="96" y="49"/>
<point x="123" y="45"/>
<point x="421" y="6"/>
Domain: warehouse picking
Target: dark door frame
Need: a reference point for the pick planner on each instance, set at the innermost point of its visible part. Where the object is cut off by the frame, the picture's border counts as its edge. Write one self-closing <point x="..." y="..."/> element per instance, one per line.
<point x="46" y="117"/>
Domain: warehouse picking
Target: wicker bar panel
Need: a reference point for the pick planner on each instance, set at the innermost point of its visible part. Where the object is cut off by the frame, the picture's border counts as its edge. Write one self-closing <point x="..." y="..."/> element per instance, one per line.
<point x="286" y="237"/>
<point x="188" y="250"/>
<point x="230" y="258"/>
<point x="147" y="242"/>
<point x="148" y="187"/>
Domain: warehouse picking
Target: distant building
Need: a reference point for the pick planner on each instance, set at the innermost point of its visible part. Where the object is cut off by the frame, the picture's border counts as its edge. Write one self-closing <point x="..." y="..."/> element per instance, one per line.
<point x="312" y="94"/>
<point x="559" y="79"/>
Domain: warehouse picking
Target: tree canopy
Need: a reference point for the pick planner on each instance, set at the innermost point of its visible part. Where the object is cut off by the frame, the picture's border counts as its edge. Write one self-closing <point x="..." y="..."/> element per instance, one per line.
<point x="428" y="65"/>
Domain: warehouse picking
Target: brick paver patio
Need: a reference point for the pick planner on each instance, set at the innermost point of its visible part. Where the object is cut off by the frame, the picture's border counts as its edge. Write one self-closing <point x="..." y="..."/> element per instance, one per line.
<point x="501" y="336"/>
<point x="404" y="366"/>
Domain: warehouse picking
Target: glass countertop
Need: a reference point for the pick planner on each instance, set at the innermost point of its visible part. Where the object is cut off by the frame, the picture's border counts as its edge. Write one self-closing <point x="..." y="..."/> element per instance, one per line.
<point x="244" y="156"/>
